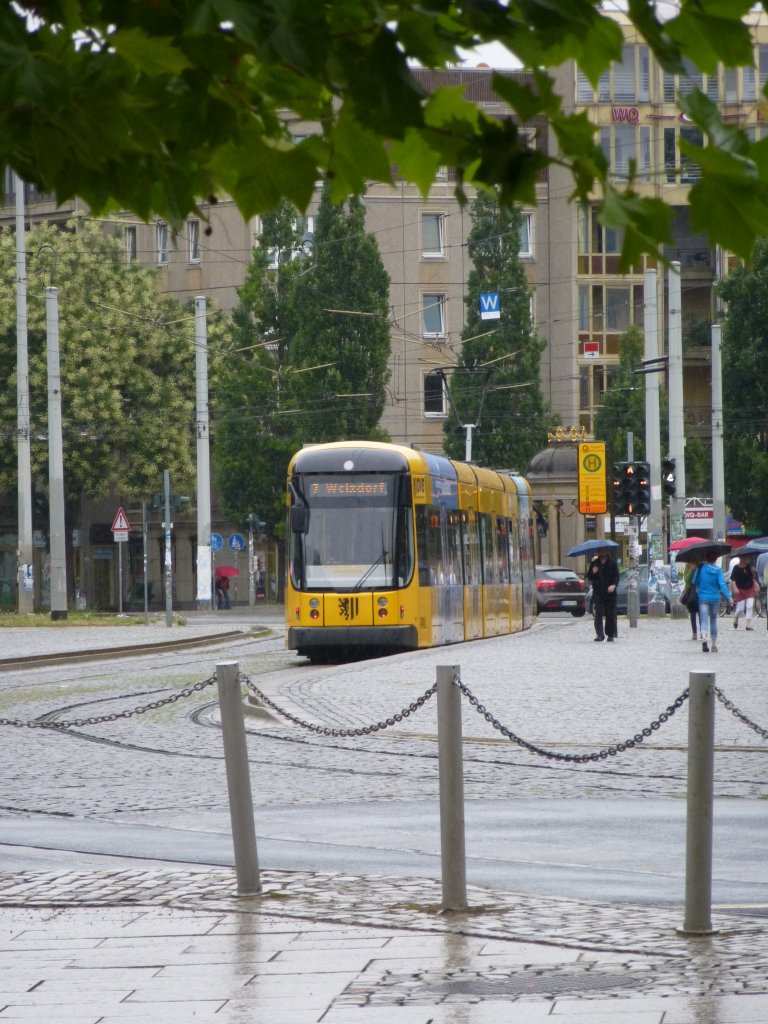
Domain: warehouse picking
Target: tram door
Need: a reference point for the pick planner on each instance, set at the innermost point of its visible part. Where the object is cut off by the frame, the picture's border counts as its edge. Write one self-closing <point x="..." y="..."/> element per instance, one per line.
<point x="473" y="591"/>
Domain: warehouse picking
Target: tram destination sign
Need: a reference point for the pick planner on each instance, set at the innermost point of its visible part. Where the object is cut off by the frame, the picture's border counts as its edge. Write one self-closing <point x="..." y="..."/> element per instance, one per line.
<point x="360" y="489"/>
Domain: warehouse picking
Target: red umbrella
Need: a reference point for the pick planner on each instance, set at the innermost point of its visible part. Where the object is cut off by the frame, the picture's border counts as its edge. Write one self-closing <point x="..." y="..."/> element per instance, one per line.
<point x="227" y="570"/>
<point x="686" y="542"/>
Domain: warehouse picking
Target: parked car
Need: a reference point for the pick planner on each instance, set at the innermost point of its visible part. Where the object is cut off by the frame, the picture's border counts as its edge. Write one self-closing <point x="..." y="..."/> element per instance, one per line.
<point x="666" y="583"/>
<point x="560" y="590"/>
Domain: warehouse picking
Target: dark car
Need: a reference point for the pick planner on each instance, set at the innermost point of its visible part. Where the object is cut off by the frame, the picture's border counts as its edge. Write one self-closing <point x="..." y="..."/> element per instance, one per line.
<point x="666" y="584"/>
<point x="560" y="590"/>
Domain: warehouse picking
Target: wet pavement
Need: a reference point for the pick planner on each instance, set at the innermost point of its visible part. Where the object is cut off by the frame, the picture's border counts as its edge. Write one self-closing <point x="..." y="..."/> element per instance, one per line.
<point x="176" y="944"/>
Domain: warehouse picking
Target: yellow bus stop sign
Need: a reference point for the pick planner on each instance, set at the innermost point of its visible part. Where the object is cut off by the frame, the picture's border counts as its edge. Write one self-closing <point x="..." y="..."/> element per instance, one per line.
<point x="592" y="485"/>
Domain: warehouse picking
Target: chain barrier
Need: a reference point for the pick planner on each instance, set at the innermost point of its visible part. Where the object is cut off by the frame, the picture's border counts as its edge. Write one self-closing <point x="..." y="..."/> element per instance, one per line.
<point x="115" y="715"/>
<point x="740" y="714"/>
<point x="322" y="730"/>
<point x="599" y="755"/>
<point x="368" y="730"/>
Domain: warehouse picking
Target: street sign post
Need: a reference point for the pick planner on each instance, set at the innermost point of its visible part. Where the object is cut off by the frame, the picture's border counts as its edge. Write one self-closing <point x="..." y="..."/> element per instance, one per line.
<point x="121" y="529"/>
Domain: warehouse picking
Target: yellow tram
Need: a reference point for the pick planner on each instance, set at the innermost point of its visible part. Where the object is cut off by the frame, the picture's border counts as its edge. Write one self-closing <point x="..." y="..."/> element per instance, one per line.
<point x="393" y="549"/>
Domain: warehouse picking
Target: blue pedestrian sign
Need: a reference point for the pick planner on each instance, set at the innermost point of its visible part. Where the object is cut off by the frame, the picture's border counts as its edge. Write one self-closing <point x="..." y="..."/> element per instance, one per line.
<point x="236" y="542"/>
<point x="217" y="542"/>
<point x="490" y="308"/>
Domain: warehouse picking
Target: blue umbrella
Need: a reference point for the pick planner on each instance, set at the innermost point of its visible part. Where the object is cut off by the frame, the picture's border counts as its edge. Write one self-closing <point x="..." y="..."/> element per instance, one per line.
<point x="588" y="547"/>
<point x="756" y="546"/>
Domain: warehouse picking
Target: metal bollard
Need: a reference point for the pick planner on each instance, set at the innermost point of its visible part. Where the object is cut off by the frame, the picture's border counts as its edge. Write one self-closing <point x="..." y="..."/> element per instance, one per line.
<point x="698" y="839"/>
<point x="238" y="779"/>
<point x="452" y="852"/>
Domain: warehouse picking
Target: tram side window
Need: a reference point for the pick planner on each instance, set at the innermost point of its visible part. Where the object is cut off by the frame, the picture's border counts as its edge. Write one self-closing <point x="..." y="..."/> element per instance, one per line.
<point x="502" y="550"/>
<point x="430" y="544"/>
<point x="453" y="552"/>
<point x="471" y="542"/>
<point x="488" y="553"/>
<point x="514" y="550"/>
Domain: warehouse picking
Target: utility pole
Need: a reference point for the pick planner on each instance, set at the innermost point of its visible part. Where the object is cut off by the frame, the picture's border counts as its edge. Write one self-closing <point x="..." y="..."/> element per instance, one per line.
<point x="24" y="574"/>
<point x="652" y="428"/>
<point x="57" y="530"/>
<point x="168" y="525"/>
<point x="719" y="522"/>
<point x="676" y="431"/>
<point x="204" y="596"/>
<point x="633" y="593"/>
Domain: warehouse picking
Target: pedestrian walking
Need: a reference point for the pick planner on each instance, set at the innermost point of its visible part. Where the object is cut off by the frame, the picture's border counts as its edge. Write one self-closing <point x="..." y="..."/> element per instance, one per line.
<point x="693" y="602"/>
<point x="744" y="586"/>
<point x="222" y="593"/>
<point x="603" y="574"/>
<point x="710" y="586"/>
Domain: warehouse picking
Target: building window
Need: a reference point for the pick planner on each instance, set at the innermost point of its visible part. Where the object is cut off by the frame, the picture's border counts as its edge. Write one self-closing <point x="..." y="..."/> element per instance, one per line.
<point x="162" y="242"/>
<point x="626" y="81"/>
<point x="687" y="82"/>
<point x="433" y="315"/>
<point x="130" y="244"/>
<point x="526" y="235"/>
<point x="193" y="241"/>
<point x="434" y="395"/>
<point x="433" y="235"/>
<point x="679" y="167"/>
<point x="595" y="378"/>
<point x="617" y="309"/>
<point x="584" y="92"/>
<point x="627" y="149"/>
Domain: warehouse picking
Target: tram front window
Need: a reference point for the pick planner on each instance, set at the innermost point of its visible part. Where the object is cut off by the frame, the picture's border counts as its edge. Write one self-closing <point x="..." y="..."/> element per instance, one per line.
<point x="353" y="546"/>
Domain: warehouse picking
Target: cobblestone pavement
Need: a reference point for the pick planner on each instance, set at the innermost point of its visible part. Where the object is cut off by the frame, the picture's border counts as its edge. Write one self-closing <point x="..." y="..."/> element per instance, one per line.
<point x="176" y="945"/>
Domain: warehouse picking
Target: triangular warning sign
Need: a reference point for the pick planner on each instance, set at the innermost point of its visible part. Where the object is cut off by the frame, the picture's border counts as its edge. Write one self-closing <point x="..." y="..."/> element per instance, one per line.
<point x="121" y="521"/>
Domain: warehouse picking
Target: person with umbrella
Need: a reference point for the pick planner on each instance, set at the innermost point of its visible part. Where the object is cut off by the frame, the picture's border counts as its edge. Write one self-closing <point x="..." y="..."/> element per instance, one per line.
<point x="603" y="574"/>
<point x="710" y="585"/>
<point x="743" y="580"/>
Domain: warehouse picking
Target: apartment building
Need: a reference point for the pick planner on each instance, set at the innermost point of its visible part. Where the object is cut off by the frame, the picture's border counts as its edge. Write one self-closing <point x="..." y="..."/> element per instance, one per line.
<point x="640" y="130"/>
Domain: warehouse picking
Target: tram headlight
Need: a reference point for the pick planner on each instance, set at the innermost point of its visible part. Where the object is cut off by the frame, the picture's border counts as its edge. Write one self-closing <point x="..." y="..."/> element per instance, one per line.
<point x="382" y="602"/>
<point x="314" y="603"/>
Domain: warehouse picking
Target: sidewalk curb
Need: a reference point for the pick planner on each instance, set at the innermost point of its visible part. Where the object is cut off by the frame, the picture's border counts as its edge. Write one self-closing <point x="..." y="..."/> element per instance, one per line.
<point x="126" y="651"/>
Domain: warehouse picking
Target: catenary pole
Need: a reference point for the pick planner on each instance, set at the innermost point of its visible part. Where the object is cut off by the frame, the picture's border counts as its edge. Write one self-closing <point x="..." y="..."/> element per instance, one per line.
<point x="204" y="595"/>
<point x="652" y="428"/>
<point x="55" y="461"/>
<point x="719" y="523"/>
<point x="676" y="430"/>
<point x="26" y="593"/>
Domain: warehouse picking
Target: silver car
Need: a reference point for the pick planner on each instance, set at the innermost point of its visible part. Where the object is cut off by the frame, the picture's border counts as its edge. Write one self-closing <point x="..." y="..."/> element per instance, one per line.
<point x="666" y="584"/>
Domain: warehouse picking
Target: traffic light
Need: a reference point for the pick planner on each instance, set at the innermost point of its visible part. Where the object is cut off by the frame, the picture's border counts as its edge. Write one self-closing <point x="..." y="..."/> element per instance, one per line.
<point x="621" y="495"/>
<point x="668" y="476"/>
<point x="642" y="503"/>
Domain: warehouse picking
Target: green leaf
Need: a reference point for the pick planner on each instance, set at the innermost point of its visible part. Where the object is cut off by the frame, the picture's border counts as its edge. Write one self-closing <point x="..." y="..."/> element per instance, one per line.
<point x="356" y="156"/>
<point x="713" y="31"/>
<point x="152" y="55"/>
<point x="417" y="160"/>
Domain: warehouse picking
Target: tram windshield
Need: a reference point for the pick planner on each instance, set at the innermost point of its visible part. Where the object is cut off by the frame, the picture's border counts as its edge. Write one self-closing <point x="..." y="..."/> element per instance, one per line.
<point x="358" y="537"/>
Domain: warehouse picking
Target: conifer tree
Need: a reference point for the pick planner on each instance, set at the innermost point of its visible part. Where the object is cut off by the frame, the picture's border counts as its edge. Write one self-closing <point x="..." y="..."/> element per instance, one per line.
<point x="340" y="351"/>
<point x="496" y="384"/>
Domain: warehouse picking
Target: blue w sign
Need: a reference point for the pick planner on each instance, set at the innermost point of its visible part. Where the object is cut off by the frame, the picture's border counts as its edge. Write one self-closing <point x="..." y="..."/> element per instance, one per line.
<point x="489" y="306"/>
